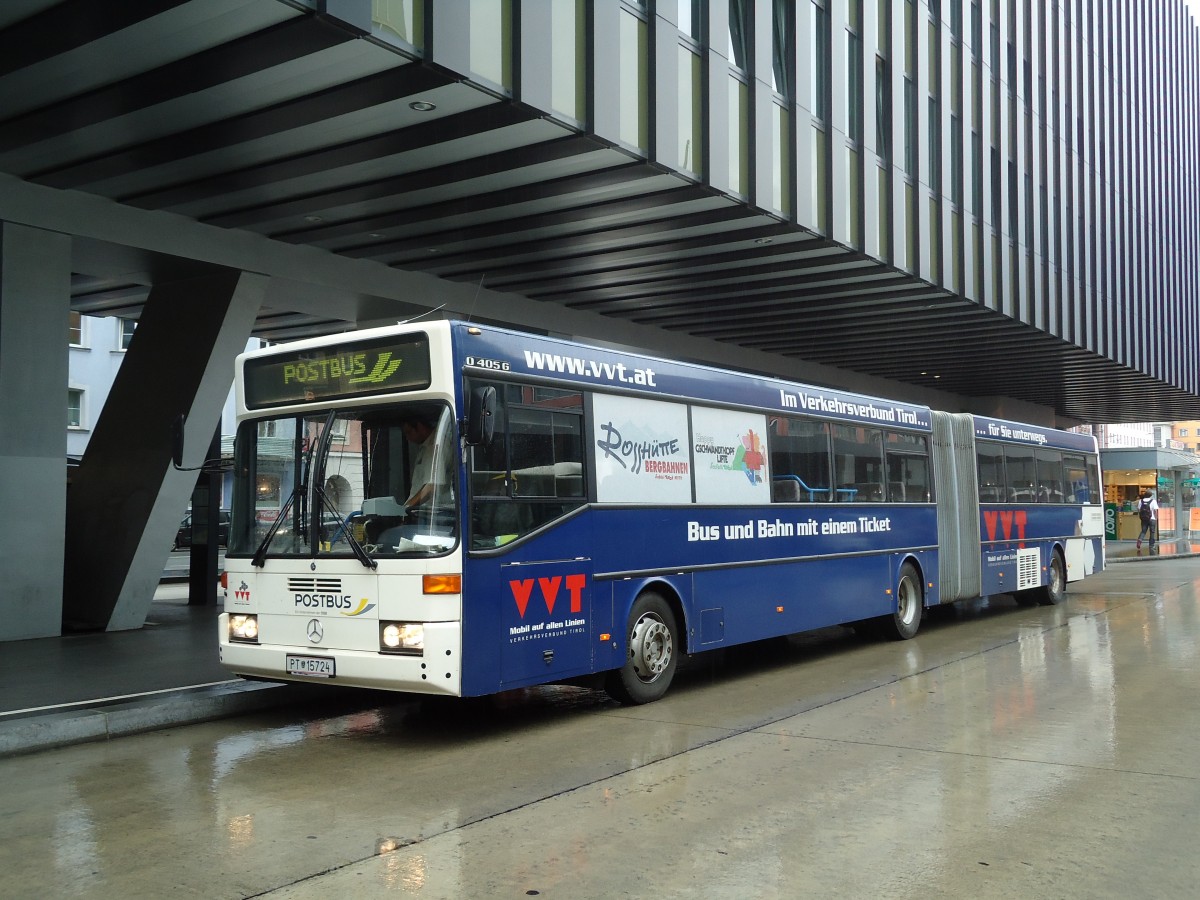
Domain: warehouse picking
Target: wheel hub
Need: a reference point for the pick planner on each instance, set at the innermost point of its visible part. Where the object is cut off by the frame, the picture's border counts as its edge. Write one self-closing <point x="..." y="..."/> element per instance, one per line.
<point x="650" y="648"/>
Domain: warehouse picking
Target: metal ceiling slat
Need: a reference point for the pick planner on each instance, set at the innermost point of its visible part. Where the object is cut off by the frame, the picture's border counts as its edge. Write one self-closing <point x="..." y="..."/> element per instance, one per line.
<point x="587" y="249"/>
<point x="640" y="289"/>
<point x="777" y="333"/>
<point x="819" y="281"/>
<point x="310" y="109"/>
<point x="560" y="188"/>
<point x="290" y="40"/>
<point x="477" y="167"/>
<point x="641" y="260"/>
<point x="70" y="25"/>
<point x="290" y="165"/>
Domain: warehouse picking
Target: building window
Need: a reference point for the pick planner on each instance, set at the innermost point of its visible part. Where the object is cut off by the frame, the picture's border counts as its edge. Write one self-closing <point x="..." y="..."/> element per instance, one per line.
<point x="782" y="31"/>
<point x="402" y="18"/>
<point x="820" y="62"/>
<point x="634" y="101"/>
<point x="568" y="55"/>
<point x="739" y="128"/>
<point x="854" y="84"/>
<point x="690" y="18"/>
<point x="491" y="40"/>
<point x="75" y="330"/>
<point x="910" y="90"/>
<point x="910" y="128"/>
<point x="739" y="34"/>
<point x="883" y="110"/>
<point x="691" y="113"/>
<point x="339" y="431"/>
<point x="781" y="180"/>
<point x="74" y="408"/>
<point x="935" y="112"/>
<point x="128" y="326"/>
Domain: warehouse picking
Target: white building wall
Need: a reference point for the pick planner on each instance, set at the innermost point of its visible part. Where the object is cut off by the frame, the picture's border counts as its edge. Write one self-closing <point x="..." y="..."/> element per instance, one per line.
<point x="92" y="368"/>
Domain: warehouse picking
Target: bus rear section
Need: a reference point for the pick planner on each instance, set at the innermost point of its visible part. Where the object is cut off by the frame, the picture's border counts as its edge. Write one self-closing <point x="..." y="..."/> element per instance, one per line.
<point x="1019" y="508"/>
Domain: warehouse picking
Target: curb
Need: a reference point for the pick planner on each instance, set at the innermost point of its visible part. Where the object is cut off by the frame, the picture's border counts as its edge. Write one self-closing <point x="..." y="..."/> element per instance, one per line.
<point x="186" y="706"/>
<point x="1149" y="558"/>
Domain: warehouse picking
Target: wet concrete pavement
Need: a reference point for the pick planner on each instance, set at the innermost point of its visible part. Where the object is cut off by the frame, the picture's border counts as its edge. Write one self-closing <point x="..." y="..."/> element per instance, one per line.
<point x="1007" y="751"/>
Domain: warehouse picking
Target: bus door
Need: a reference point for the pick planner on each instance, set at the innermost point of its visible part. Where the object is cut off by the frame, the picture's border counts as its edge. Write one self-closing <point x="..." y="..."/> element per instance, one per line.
<point x="545" y="619"/>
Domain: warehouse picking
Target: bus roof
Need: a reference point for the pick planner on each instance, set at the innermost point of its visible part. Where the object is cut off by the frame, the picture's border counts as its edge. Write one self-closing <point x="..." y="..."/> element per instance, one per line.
<point x="491" y="350"/>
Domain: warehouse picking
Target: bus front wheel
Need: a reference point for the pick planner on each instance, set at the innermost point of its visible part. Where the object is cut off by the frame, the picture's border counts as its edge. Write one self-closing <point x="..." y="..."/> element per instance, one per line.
<point x="651" y="652"/>
<point x="1055" y="590"/>
<point x="905" y="619"/>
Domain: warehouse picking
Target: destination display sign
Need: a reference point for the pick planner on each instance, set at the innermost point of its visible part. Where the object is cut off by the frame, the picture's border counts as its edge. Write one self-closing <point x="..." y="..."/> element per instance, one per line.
<point x="354" y="369"/>
<point x="1017" y="433"/>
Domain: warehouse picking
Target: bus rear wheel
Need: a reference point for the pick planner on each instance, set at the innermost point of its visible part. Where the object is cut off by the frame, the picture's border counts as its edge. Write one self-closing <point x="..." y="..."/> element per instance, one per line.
<point x="652" y="651"/>
<point x="1054" y="591"/>
<point x="905" y="619"/>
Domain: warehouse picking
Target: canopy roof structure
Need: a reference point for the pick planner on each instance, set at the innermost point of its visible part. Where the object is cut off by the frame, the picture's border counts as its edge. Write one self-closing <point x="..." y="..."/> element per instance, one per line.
<point x="167" y="135"/>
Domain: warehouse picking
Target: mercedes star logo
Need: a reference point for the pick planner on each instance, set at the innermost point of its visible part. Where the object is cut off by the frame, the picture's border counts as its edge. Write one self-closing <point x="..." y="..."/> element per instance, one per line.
<point x="315" y="631"/>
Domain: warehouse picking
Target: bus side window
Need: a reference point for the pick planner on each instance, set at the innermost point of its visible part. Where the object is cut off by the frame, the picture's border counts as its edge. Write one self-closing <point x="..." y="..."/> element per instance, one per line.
<point x="908" y="479"/>
<point x="990" y="458"/>
<point x="1021" y="469"/>
<point x="1050" y="476"/>
<point x="532" y="471"/>
<point x="858" y="464"/>
<point x="799" y="452"/>
<point x="1075" y="475"/>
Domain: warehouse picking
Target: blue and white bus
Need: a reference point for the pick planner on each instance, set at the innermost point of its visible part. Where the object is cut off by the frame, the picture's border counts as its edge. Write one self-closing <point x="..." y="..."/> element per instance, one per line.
<point x="446" y="508"/>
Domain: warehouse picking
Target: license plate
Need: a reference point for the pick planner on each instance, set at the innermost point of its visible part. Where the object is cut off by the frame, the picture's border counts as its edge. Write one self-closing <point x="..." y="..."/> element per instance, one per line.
<point x="312" y="666"/>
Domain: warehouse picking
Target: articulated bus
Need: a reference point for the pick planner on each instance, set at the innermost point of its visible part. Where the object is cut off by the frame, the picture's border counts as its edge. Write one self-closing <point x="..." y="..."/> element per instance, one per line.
<point x="453" y="509"/>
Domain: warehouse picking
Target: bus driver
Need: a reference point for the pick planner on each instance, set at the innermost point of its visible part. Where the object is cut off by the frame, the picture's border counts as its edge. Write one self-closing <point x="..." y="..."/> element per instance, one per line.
<point x="419" y="432"/>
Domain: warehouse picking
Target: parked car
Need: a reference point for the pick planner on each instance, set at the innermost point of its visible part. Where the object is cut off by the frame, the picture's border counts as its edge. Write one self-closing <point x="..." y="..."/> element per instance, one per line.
<point x="183" y="537"/>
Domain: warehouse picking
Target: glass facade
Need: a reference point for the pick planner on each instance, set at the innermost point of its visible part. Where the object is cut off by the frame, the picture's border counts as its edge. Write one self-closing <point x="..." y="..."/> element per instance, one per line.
<point x="982" y="152"/>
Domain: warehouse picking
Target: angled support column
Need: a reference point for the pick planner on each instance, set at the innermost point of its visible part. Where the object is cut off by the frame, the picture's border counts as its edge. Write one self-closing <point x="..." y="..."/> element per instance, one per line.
<point x="35" y="291"/>
<point x="126" y="500"/>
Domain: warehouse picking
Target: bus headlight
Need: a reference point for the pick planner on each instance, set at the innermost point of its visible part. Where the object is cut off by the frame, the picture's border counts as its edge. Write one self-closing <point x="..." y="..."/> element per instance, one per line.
<point x="243" y="628"/>
<point x="402" y="637"/>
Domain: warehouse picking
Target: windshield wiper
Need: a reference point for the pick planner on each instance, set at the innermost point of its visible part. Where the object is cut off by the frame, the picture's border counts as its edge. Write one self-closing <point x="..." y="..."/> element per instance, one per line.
<point x="359" y="550"/>
<point x="260" y="555"/>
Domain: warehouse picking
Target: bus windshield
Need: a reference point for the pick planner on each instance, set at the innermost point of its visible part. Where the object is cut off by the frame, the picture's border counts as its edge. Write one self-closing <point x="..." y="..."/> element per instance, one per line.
<point x="375" y="482"/>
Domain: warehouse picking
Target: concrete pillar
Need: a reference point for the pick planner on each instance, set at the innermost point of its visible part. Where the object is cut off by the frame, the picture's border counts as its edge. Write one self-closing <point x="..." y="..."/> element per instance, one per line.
<point x="126" y="500"/>
<point x="35" y="285"/>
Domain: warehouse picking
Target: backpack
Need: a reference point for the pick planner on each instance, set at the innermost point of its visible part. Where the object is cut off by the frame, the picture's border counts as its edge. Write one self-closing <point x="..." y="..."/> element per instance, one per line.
<point x="1145" y="513"/>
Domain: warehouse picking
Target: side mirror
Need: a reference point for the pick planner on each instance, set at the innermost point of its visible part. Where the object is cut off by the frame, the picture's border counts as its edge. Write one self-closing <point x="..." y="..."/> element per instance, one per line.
<point x="481" y="416"/>
<point x="177" y="440"/>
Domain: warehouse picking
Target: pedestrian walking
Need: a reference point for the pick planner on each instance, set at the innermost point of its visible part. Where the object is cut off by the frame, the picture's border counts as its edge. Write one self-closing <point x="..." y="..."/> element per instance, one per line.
<point x="1148" y="513"/>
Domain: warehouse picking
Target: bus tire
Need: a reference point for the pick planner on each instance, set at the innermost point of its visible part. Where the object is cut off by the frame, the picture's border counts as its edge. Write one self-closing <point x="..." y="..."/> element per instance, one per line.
<point x="1054" y="592"/>
<point x="652" y="651"/>
<point x="905" y="619"/>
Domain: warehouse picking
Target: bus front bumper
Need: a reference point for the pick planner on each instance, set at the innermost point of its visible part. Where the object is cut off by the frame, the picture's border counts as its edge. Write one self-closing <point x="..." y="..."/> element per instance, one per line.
<point x="437" y="671"/>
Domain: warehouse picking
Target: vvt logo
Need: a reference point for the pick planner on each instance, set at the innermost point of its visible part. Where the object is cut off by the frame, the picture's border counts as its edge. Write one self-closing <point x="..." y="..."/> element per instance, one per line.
<point x="242" y="593"/>
<point x="1006" y="521"/>
<point x="522" y="590"/>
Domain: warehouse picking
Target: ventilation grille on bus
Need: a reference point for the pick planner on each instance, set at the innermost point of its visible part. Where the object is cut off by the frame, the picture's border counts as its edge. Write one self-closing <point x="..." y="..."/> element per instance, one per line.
<point x="315" y="585"/>
<point x="1029" y="568"/>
